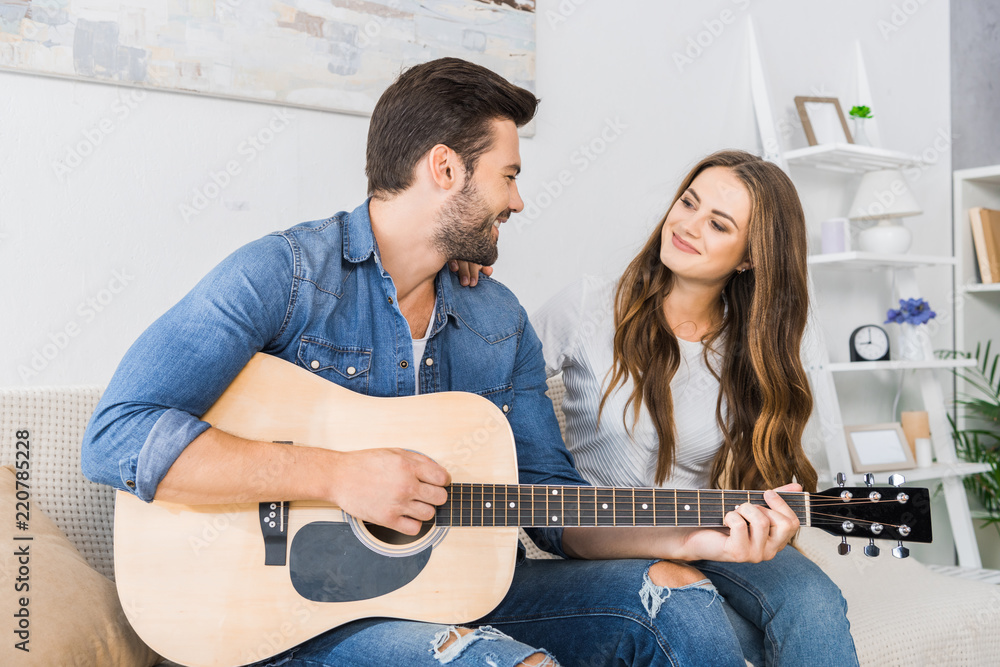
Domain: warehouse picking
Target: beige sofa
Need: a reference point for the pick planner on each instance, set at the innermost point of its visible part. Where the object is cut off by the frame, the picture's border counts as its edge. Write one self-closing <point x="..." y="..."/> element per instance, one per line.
<point x="901" y="612"/>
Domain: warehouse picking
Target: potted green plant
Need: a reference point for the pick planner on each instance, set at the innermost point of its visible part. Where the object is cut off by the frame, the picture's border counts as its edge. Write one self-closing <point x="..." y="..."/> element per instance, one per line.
<point x="979" y="438"/>
<point x="859" y="116"/>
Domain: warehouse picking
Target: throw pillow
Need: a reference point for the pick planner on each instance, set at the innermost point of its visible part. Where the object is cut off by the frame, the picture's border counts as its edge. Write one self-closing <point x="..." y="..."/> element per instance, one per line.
<point x="57" y="610"/>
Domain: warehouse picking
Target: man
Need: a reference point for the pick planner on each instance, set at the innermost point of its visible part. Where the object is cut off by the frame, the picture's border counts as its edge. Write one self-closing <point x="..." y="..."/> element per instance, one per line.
<point x="364" y="299"/>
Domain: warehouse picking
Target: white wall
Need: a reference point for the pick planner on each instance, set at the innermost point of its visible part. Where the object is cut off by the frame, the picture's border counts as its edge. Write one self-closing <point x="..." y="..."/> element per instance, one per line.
<point x="90" y="256"/>
<point x="608" y="75"/>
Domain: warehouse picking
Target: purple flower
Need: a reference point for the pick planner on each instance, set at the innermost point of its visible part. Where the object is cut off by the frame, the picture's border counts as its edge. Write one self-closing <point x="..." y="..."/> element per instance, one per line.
<point x="911" y="311"/>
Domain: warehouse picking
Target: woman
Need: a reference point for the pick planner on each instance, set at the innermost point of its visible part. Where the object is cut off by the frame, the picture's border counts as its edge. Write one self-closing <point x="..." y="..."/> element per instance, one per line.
<point x="686" y="374"/>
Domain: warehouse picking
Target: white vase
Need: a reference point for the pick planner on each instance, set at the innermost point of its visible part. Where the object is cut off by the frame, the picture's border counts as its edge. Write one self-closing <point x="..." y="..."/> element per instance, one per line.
<point x="911" y="342"/>
<point x="860" y="136"/>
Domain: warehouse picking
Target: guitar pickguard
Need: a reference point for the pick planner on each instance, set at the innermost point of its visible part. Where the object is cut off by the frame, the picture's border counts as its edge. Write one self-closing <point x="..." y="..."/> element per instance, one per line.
<point x="327" y="563"/>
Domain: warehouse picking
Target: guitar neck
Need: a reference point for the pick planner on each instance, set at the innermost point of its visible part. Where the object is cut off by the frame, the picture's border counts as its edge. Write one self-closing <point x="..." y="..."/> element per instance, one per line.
<point x="535" y="506"/>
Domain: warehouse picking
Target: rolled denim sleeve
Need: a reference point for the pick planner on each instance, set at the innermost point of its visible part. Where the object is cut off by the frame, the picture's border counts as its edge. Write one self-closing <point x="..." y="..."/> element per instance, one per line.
<point x="542" y="457"/>
<point x="183" y="362"/>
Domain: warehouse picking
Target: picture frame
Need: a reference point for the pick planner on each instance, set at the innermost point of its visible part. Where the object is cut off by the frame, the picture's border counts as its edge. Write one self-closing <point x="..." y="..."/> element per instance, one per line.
<point x="879" y="448"/>
<point x="823" y="120"/>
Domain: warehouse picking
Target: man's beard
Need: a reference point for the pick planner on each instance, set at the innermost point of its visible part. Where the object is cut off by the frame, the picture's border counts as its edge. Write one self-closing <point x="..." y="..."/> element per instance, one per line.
<point x="465" y="228"/>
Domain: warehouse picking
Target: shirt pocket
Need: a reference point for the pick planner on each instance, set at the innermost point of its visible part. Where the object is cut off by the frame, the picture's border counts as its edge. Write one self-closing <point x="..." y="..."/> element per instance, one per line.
<point x="502" y="397"/>
<point x="345" y="365"/>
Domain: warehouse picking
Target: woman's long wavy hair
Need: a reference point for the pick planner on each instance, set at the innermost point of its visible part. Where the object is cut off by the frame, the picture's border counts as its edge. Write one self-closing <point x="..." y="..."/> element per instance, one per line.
<point x="762" y="380"/>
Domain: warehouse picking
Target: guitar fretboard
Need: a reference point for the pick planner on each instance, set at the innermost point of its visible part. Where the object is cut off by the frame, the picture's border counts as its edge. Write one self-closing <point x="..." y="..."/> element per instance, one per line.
<point x="549" y="506"/>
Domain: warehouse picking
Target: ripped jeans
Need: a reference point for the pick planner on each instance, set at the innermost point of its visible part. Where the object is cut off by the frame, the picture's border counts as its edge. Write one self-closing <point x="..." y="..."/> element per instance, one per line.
<point x="596" y="613"/>
<point x="584" y="613"/>
<point x="784" y="612"/>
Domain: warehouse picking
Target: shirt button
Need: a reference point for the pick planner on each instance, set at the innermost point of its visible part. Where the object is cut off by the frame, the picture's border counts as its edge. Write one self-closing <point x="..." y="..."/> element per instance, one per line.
<point x="403" y="364"/>
<point x="506" y="408"/>
<point x="390" y="299"/>
<point x="130" y="484"/>
<point x="351" y="370"/>
<point x="314" y="364"/>
<point x="429" y="362"/>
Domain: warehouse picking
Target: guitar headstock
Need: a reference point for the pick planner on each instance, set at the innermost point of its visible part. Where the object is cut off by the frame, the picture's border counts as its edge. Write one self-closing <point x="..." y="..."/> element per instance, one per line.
<point x="883" y="512"/>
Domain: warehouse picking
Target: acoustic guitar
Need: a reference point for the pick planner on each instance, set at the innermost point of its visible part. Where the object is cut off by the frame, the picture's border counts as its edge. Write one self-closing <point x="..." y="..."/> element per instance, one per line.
<point x="224" y="585"/>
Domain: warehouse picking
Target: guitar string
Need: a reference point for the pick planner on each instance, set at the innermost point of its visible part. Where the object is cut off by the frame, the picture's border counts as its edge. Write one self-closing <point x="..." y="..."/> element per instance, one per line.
<point x="820" y="520"/>
<point x="536" y="491"/>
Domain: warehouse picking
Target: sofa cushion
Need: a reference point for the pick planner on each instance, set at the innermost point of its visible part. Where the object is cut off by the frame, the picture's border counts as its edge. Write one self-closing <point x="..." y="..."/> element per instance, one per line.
<point x="902" y="613"/>
<point x="66" y="612"/>
<point x="55" y="418"/>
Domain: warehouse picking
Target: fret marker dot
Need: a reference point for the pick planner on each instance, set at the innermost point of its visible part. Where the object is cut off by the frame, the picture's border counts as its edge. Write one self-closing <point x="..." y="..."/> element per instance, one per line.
<point x="555" y="518"/>
<point x="604" y="506"/>
<point x="555" y="492"/>
<point x="687" y="507"/>
<point x="489" y="505"/>
<point x="645" y="506"/>
<point x="512" y="504"/>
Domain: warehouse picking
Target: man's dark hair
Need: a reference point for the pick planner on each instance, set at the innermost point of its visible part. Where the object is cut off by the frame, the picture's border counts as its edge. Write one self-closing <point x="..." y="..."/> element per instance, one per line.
<point x="446" y="101"/>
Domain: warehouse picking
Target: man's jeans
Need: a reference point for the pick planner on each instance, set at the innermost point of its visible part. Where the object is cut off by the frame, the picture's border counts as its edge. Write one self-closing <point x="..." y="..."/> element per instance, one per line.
<point x="595" y="613"/>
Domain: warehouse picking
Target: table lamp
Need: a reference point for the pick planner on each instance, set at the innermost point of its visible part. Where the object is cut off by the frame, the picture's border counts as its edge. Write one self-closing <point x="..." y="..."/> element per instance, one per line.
<point x="884" y="196"/>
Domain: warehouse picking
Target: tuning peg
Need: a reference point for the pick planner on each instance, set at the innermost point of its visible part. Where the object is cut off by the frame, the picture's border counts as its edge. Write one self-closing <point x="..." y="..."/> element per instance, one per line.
<point x="871" y="550"/>
<point x="843" y="548"/>
<point x="900" y="551"/>
<point x="896" y="479"/>
<point x="841" y="479"/>
<point x="869" y="479"/>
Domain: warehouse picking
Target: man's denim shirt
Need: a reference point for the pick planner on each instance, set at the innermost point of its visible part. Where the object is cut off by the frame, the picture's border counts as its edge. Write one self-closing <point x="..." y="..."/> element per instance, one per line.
<point x="318" y="293"/>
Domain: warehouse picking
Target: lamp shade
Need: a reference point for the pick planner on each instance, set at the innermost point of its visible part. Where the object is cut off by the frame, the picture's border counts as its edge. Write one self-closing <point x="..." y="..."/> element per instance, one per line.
<point x="883" y="194"/>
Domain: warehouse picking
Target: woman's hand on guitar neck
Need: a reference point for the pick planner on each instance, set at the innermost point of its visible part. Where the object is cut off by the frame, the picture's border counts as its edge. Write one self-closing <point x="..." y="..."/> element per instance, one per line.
<point x="754" y="533"/>
<point x="394" y="488"/>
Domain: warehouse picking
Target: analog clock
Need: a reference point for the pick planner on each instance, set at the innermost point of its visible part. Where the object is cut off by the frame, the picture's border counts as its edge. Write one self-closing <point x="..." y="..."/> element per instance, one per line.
<point x="869" y="342"/>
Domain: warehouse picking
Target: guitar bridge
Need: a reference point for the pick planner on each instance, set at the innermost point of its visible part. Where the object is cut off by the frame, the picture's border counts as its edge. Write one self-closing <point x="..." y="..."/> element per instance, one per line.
<point x="274" y="527"/>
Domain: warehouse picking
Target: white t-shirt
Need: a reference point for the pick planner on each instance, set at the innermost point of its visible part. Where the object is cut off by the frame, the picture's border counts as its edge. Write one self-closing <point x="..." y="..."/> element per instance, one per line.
<point x="576" y="328"/>
<point x="419" y="345"/>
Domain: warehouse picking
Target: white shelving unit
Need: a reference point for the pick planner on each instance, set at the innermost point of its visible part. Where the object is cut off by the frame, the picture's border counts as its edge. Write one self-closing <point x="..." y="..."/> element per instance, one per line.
<point x="948" y="469"/>
<point x="977" y="317"/>
<point x="853" y="159"/>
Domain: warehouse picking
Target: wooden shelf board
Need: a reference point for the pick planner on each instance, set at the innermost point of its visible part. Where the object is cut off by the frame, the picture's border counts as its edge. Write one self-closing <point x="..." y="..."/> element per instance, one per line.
<point x="857" y="260"/>
<point x="849" y="158"/>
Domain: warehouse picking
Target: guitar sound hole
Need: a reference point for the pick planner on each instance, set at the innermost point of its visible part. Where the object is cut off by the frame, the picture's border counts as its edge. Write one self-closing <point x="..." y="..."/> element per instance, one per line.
<point x="389" y="536"/>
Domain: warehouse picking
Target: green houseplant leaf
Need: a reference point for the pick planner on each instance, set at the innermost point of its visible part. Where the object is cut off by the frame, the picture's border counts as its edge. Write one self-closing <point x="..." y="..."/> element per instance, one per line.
<point x="860" y="112"/>
<point x="979" y="439"/>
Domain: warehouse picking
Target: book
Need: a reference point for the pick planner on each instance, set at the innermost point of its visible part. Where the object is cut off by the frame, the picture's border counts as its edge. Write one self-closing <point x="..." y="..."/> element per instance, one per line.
<point x="986" y="239"/>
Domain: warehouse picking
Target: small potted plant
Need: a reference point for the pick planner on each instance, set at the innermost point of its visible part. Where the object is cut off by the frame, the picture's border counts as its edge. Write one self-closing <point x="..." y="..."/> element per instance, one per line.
<point x="860" y="114"/>
<point x="911" y="314"/>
